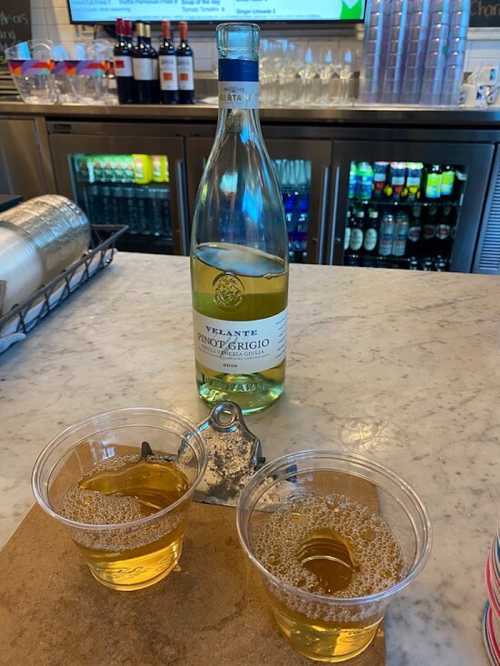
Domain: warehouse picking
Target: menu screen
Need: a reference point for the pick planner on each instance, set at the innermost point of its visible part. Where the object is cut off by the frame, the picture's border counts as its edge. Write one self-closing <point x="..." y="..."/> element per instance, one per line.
<point x="102" y="11"/>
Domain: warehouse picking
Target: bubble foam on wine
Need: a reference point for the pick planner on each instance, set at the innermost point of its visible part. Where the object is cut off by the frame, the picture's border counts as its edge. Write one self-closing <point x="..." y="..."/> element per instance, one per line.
<point x="377" y="560"/>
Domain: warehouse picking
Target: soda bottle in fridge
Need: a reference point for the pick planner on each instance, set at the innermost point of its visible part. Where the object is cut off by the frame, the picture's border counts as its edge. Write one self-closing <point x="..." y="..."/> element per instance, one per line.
<point x="365" y="181"/>
<point x="414" y="180"/>
<point x="379" y="178"/>
<point x="397" y="179"/>
<point x="353" y="181"/>
<point x="429" y="231"/>
<point x="433" y="183"/>
<point x="447" y="181"/>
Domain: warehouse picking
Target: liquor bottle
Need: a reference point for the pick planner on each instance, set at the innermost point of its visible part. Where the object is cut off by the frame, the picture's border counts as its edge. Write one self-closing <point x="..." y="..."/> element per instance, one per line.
<point x="185" y="68"/>
<point x="154" y="59"/>
<point x="168" y="67"/>
<point x="239" y="244"/>
<point x="143" y="67"/>
<point x="122" y="58"/>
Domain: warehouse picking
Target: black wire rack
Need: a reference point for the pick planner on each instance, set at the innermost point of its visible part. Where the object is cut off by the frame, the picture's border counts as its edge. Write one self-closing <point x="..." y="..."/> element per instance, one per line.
<point x="23" y="318"/>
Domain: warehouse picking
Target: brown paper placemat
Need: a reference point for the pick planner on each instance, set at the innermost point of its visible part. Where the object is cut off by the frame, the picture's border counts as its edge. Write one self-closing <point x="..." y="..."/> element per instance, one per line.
<point x="211" y="612"/>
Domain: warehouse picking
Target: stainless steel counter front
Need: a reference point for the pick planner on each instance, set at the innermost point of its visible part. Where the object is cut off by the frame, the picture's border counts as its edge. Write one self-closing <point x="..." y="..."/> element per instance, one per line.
<point x="348" y="115"/>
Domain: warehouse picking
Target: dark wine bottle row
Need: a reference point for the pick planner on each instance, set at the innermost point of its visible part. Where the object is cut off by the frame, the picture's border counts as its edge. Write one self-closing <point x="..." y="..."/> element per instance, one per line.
<point x="147" y="76"/>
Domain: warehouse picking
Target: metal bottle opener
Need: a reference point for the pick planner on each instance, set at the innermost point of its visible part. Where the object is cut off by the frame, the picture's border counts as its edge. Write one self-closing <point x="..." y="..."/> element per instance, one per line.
<point x="234" y="455"/>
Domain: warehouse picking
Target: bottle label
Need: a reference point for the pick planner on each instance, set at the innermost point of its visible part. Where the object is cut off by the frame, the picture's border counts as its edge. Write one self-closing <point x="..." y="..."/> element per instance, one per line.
<point x="447" y="182"/>
<point x="371" y="237"/>
<point x="185" y="72"/>
<point x="433" y="188"/>
<point x="414" y="233"/>
<point x="123" y="65"/>
<point x="240" y="346"/>
<point x="356" y="239"/>
<point x="168" y="73"/>
<point x="238" y="84"/>
<point x="143" y="69"/>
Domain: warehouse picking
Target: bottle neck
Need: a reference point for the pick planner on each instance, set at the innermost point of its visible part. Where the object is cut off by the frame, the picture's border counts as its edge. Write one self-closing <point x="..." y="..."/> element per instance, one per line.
<point x="239" y="97"/>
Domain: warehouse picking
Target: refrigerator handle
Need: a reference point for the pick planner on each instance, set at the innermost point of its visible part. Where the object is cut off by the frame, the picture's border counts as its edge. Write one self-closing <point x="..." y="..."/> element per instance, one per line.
<point x="333" y="239"/>
<point x="180" y="183"/>
<point x="322" y="214"/>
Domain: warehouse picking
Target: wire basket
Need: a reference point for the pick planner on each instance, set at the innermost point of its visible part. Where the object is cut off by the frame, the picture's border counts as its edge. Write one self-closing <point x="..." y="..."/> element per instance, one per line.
<point x="19" y="321"/>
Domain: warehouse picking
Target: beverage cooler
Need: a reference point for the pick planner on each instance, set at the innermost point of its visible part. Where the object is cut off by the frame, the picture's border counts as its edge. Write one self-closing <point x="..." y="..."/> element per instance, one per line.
<point x="124" y="174"/>
<point x="303" y="171"/>
<point x="407" y="205"/>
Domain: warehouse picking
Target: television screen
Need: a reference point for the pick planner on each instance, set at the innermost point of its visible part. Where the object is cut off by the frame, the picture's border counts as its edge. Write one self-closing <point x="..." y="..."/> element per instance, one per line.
<point x="206" y="11"/>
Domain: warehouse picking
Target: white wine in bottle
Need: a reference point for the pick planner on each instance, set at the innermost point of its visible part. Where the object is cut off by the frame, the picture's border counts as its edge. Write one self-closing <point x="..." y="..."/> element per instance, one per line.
<point x="239" y="244"/>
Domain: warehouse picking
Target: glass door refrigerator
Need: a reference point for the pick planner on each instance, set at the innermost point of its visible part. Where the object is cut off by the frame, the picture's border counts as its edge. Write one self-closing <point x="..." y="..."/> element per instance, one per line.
<point x="303" y="170"/>
<point x="122" y="174"/>
<point x="407" y="205"/>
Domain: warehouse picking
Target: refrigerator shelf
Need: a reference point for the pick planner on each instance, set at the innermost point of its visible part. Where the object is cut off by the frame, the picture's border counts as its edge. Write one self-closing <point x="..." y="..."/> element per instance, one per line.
<point x="18" y="322"/>
<point x="411" y="204"/>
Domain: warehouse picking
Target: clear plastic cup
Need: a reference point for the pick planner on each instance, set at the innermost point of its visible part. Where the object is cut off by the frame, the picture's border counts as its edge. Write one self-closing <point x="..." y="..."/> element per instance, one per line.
<point x="30" y="66"/>
<point x="319" y="626"/>
<point x="135" y="553"/>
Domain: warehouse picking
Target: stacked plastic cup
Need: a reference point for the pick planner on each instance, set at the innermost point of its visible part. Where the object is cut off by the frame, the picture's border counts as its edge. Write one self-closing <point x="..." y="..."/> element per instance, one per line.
<point x="395" y="44"/>
<point x="491" y="615"/>
<point x="437" y="49"/>
<point x="30" y="66"/>
<point x="377" y="16"/>
<point x="457" y="43"/>
<point x="416" y="47"/>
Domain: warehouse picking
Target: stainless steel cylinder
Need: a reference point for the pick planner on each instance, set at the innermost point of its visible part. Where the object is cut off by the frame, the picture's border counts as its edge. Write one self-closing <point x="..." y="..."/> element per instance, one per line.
<point x="58" y="228"/>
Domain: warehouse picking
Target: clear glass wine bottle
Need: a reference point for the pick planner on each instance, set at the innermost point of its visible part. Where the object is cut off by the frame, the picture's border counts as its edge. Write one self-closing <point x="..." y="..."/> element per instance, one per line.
<point x="239" y="244"/>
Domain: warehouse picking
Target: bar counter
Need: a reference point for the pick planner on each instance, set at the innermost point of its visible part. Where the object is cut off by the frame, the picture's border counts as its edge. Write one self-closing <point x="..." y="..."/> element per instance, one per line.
<point x="410" y="116"/>
<point x="401" y="367"/>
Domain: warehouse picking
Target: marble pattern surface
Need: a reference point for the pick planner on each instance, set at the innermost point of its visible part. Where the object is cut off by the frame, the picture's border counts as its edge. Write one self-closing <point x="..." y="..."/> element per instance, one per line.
<point x="402" y="367"/>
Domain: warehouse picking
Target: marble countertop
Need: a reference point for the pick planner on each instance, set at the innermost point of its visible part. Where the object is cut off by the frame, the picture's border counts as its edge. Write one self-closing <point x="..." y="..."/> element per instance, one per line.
<point x="402" y="367"/>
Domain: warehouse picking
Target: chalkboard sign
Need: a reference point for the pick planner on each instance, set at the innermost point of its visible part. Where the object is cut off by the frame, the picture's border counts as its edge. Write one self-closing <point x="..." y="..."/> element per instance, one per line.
<point x="485" y="14"/>
<point x="15" y="22"/>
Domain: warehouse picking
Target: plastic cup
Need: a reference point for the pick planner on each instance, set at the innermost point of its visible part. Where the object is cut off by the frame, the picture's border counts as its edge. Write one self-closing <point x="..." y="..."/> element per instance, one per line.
<point x="30" y="66"/>
<point x="138" y="553"/>
<point x="319" y="626"/>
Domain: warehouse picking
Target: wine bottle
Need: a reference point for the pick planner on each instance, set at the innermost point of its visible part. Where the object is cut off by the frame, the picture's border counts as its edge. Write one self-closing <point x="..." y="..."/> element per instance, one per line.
<point x="155" y="86"/>
<point x="122" y="57"/>
<point x="239" y="244"/>
<point x="185" y="67"/>
<point x="168" y="67"/>
<point x="143" y="68"/>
